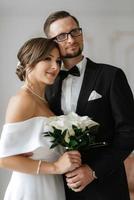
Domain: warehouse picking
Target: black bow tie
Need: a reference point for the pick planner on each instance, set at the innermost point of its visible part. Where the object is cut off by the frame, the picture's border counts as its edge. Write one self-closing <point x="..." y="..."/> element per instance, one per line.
<point x="73" y="71"/>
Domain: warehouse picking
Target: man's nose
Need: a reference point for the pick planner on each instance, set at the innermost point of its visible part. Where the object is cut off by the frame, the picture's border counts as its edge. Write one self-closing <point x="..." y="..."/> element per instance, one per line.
<point x="70" y="38"/>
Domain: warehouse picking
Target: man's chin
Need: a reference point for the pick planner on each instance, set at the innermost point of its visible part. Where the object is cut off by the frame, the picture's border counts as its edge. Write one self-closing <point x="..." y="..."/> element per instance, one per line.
<point x="72" y="55"/>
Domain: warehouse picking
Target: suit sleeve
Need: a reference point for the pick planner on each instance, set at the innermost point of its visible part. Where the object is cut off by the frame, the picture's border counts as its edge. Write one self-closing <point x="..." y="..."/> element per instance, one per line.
<point x="122" y="106"/>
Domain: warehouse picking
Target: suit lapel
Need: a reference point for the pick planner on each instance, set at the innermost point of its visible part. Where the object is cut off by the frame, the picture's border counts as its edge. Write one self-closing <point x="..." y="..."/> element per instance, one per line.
<point x="89" y="81"/>
<point x="53" y="93"/>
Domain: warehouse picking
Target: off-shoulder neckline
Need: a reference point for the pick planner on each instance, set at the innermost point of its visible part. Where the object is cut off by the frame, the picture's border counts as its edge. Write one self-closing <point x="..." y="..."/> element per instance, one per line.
<point x="27" y="120"/>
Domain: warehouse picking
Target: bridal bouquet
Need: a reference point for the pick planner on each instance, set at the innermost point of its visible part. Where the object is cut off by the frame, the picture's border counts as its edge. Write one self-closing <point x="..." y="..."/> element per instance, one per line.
<point x="73" y="132"/>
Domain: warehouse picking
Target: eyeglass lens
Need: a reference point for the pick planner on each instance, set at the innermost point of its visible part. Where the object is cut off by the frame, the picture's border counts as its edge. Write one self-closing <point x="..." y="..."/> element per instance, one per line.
<point x="64" y="36"/>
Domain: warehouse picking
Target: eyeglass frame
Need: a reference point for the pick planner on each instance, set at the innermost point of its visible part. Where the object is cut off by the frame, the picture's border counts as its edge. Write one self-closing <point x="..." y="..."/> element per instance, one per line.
<point x="66" y="34"/>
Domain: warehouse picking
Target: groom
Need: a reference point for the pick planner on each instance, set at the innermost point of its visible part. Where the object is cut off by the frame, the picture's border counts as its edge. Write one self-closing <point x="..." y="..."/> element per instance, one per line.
<point x="102" y="92"/>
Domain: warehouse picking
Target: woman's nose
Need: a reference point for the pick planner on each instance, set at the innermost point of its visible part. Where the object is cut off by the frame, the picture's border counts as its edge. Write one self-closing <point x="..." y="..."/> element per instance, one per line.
<point x="55" y="66"/>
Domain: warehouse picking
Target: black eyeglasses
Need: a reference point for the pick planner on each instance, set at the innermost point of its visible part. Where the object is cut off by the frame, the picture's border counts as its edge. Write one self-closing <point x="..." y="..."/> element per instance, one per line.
<point x="64" y="36"/>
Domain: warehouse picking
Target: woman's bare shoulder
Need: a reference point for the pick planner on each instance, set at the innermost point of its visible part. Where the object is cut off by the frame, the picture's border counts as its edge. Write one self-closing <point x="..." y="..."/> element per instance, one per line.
<point x="20" y="107"/>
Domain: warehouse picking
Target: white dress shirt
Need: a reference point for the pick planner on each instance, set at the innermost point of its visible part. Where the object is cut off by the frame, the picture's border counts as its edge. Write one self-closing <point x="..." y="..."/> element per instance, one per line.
<point x="71" y="87"/>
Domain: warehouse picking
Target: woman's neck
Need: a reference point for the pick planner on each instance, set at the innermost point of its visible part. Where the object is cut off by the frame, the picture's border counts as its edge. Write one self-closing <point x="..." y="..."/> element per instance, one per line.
<point x="36" y="87"/>
<point x="37" y="90"/>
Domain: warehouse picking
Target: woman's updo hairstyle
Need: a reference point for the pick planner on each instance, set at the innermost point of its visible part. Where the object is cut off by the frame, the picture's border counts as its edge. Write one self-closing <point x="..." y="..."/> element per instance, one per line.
<point x="32" y="52"/>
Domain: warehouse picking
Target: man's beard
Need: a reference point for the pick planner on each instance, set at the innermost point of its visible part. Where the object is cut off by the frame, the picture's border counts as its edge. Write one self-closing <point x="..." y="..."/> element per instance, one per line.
<point x="73" y="55"/>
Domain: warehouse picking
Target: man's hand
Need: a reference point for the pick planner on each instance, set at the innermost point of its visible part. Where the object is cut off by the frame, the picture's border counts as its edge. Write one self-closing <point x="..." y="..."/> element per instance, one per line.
<point x="79" y="178"/>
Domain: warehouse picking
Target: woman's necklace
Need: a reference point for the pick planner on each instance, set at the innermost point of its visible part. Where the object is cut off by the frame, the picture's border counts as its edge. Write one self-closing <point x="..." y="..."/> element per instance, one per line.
<point x="34" y="93"/>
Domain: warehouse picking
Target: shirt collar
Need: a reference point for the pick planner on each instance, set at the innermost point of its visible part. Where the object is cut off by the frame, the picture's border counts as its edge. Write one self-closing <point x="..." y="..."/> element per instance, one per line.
<point x="82" y="64"/>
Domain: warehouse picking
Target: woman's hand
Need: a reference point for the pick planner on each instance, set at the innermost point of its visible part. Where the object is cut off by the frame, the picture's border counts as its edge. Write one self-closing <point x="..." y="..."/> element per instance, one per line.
<point x="69" y="161"/>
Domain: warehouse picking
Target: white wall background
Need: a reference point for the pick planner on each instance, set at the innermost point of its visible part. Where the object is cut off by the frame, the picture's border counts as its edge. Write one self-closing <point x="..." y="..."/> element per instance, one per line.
<point x="108" y="29"/>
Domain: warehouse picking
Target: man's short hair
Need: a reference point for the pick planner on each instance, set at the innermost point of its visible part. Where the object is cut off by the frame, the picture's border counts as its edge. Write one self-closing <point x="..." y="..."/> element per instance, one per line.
<point x="54" y="17"/>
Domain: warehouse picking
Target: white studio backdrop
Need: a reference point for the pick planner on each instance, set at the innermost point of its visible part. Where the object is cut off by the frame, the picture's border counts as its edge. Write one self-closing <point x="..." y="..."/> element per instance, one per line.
<point x="108" y="28"/>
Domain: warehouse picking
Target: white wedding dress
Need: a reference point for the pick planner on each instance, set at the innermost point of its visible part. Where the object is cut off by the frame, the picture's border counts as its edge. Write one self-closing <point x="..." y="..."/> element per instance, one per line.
<point x="23" y="137"/>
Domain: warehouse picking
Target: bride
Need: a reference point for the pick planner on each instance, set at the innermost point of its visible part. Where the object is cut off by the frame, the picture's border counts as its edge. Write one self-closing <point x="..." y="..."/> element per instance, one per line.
<point x="37" y="169"/>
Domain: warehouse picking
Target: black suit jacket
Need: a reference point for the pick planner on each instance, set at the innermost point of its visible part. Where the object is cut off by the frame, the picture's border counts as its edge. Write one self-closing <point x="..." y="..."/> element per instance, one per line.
<point x="115" y="113"/>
